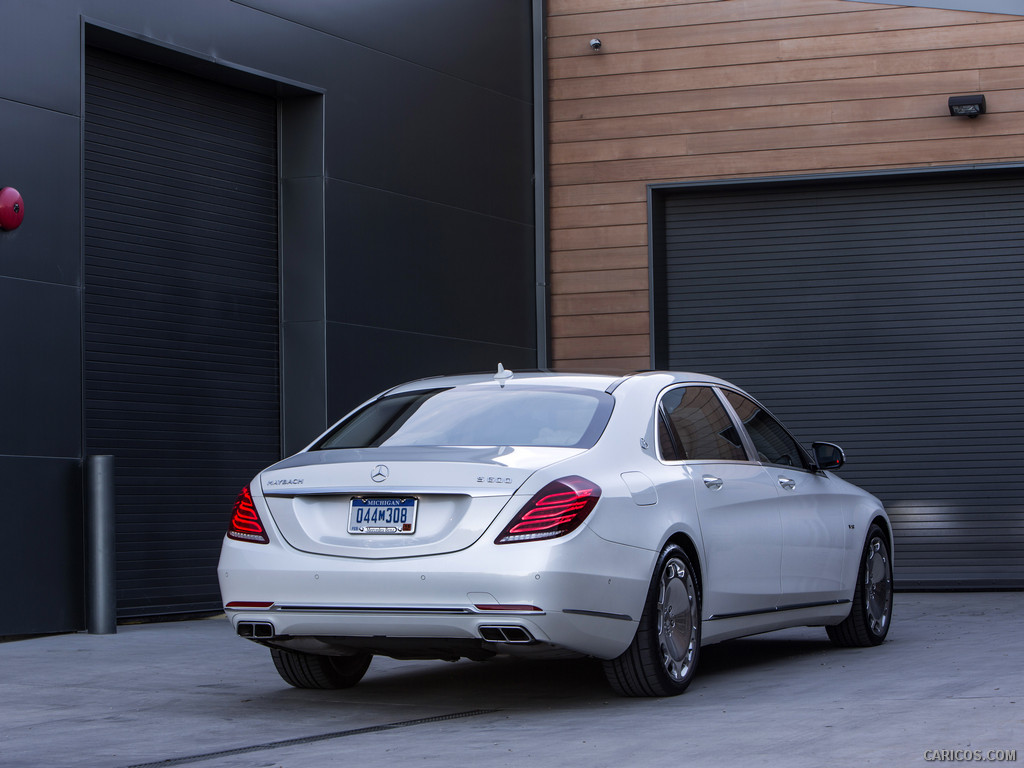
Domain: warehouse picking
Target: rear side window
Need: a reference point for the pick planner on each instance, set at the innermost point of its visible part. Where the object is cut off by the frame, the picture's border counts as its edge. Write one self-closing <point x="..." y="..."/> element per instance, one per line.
<point x="773" y="443"/>
<point x="697" y="426"/>
<point x="487" y="416"/>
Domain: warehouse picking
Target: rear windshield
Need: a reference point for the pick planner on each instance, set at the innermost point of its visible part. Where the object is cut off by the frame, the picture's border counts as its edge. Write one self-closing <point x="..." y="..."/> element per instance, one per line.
<point x="541" y="416"/>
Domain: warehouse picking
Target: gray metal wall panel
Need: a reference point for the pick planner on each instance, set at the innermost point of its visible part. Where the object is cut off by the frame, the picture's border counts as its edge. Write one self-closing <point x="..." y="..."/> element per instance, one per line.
<point x="412" y="30"/>
<point x="42" y="571"/>
<point x="425" y="277"/>
<point x="448" y="140"/>
<point x="423" y="100"/>
<point x="411" y="356"/>
<point x="181" y="315"/>
<point x="42" y="162"/>
<point x="40" y="42"/>
<point x="883" y="314"/>
<point x="40" y="383"/>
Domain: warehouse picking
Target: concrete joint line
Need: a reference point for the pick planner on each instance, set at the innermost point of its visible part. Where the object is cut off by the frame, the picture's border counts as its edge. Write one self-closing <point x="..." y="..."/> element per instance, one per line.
<point x="309" y="739"/>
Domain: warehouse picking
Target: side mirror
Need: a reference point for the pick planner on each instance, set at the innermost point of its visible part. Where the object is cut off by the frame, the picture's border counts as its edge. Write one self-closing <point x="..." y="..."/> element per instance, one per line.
<point x="828" y="455"/>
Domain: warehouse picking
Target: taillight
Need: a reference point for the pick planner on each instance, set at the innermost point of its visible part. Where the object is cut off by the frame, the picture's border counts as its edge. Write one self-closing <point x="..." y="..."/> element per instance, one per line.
<point x="245" y="521"/>
<point x="556" y="510"/>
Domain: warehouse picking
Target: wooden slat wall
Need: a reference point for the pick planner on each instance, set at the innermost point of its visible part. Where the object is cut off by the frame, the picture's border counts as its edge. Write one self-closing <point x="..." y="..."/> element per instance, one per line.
<point x="684" y="90"/>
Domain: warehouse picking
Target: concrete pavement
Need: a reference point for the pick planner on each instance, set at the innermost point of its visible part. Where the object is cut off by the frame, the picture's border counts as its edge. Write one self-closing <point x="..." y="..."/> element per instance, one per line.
<point x="190" y="693"/>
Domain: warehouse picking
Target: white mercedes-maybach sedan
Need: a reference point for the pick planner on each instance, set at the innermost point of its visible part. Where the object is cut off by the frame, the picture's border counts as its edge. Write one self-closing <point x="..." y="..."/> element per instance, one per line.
<point x="632" y="519"/>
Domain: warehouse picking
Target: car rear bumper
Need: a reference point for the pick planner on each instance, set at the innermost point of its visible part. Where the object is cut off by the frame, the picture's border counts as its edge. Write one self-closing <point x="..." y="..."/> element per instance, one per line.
<point x="581" y="594"/>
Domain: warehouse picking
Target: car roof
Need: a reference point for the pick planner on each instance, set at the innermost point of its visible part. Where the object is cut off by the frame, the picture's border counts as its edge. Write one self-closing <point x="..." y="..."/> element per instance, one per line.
<point x="580" y="380"/>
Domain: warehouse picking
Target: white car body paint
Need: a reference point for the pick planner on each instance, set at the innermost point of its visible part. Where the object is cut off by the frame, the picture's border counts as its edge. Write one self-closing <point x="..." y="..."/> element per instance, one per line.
<point x="769" y="556"/>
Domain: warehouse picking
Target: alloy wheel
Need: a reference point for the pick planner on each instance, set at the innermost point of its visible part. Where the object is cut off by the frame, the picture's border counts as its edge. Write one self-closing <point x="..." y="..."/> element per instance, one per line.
<point x="677" y="625"/>
<point x="877" y="586"/>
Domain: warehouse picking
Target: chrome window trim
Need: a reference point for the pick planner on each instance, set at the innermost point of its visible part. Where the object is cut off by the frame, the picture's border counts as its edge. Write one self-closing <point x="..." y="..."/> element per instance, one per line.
<point x="660" y="413"/>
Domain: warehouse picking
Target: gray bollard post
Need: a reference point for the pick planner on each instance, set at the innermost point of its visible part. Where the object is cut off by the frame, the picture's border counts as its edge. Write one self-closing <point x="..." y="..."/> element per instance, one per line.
<point x="101" y="599"/>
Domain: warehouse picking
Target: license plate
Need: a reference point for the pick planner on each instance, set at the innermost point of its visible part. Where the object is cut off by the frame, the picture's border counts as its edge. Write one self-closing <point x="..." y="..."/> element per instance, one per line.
<point x="387" y="516"/>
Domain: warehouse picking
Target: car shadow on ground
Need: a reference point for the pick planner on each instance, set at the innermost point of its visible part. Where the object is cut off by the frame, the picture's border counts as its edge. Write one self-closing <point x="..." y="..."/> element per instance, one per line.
<point x="510" y="683"/>
<point x="495" y="684"/>
<point x="734" y="656"/>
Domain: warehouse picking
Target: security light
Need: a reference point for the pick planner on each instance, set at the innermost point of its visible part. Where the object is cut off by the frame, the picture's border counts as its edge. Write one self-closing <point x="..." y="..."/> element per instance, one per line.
<point x="967" y="106"/>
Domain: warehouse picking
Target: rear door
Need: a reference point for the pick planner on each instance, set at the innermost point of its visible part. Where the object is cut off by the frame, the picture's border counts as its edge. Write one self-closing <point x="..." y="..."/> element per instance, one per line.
<point x="737" y="505"/>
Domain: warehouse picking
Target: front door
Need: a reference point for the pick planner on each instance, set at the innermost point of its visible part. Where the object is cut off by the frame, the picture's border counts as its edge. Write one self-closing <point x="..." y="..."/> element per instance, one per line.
<point x="812" y="515"/>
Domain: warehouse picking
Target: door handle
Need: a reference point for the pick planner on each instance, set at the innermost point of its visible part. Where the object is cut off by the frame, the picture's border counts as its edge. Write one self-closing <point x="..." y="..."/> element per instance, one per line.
<point x="712" y="482"/>
<point x="786" y="483"/>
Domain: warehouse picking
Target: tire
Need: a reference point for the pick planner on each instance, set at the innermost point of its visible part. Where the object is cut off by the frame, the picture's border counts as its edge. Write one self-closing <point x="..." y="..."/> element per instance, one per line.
<point x="663" y="656"/>
<point x="871" y="612"/>
<point x="307" y="670"/>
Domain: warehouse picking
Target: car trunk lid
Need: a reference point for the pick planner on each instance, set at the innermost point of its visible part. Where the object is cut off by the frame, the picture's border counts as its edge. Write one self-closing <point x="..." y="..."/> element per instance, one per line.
<point x="443" y="498"/>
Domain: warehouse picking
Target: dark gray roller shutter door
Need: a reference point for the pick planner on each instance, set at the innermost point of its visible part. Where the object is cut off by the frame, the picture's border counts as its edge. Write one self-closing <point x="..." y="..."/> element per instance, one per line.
<point x="181" y="316"/>
<point x="885" y="314"/>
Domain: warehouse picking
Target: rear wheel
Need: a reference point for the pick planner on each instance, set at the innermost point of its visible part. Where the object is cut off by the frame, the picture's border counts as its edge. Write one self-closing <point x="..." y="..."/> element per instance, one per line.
<point x="307" y="670"/>
<point x="871" y="613"/>
<point x="662" y="658"/>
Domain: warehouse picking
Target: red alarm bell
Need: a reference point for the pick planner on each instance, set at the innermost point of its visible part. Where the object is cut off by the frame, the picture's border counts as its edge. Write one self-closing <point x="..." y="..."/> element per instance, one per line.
<point x="12" y="208"/>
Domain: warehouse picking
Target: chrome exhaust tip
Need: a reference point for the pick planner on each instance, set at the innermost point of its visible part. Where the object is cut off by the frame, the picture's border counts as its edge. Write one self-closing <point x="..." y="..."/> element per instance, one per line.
<point x="506" y="633"/>
<point x="256" y="630"/>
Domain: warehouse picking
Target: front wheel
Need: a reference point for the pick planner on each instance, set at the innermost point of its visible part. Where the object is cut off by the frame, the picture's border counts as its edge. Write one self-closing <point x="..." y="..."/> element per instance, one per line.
<point x="662" y="658"/>
<point x="871" y="612"/>
<point x="307" y="670"/>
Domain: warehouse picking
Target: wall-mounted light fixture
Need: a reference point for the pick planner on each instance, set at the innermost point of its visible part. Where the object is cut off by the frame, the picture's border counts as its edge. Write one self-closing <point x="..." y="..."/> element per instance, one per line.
<point x="595" y="43"/>
<point x="967" y="106"/>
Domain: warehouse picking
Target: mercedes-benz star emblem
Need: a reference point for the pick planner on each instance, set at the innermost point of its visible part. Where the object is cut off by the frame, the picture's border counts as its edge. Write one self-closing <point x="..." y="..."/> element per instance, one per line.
<point x="380" y="473"/>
